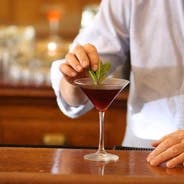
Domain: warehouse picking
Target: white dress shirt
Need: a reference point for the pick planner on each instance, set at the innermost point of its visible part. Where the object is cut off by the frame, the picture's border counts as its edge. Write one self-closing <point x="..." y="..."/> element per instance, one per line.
<point x="153" y="32"/>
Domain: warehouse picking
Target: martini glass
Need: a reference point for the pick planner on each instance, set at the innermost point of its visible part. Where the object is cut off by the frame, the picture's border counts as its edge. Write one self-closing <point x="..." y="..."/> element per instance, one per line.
<point x="101" y="96"/>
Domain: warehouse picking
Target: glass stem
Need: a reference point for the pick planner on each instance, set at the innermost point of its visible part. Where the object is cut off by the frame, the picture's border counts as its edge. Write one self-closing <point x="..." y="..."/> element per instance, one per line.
<point x="101" y="133"/>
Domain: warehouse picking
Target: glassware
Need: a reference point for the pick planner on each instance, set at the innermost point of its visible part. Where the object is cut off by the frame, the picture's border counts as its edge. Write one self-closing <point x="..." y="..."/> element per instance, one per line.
<point x="101" y="96"/>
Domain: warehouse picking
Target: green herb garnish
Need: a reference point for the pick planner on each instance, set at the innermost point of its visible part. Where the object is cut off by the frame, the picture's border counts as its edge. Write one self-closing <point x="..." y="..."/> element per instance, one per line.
<point x="100" y="74"/>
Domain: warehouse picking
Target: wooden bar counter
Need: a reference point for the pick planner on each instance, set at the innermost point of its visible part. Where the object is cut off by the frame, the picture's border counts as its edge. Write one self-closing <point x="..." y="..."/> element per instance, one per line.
<point x="57" y="165"/>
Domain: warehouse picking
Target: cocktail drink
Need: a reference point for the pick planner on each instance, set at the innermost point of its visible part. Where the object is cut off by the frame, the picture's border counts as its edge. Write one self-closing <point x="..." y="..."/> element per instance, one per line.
<point x="101" y="96"/>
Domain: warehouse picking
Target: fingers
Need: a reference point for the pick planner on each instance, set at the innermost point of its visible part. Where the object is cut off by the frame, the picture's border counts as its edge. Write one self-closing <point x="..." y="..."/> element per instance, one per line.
<point x="156" y="143"/>
<point x="170" y="148"/>
<point x="176" y="161"/>
<point x="81" y="58"/>
<point x="87" y="56"/>
<point x="68" y="70"/>
<point x="174" y="154"/>
<point x="93" y="56"/>
<point x="163" y="146"/>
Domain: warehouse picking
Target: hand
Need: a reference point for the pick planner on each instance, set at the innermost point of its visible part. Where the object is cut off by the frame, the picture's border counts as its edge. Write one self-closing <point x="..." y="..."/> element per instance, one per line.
<point x="169" y="149"/>
<point x="82" y="58"/>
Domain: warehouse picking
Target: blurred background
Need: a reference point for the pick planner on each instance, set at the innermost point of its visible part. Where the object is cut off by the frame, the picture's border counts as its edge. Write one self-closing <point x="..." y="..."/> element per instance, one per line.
<point x="32" y="35"/>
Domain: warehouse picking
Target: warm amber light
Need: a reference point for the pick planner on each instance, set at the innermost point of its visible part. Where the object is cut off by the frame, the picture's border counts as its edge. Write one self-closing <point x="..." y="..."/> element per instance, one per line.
<point x="54" y="15"/>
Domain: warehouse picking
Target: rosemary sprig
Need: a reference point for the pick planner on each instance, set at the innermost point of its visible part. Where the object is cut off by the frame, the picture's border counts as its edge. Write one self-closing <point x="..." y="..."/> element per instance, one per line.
<point x="100" y="74"/>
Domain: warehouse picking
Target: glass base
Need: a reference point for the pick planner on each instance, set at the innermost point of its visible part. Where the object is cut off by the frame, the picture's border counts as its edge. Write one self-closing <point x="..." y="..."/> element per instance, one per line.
<point x="103" y="157"/>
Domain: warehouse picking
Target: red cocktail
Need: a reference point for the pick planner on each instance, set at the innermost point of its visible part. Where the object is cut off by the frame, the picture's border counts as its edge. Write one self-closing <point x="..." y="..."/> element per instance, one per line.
<point x="101" y="96"/>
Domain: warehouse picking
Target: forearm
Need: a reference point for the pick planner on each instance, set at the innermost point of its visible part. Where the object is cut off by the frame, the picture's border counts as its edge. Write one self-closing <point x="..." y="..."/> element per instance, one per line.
<point x="73" y="95"/>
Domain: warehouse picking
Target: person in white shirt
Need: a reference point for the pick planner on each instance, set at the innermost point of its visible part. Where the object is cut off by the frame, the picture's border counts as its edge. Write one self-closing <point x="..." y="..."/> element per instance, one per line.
<point x="153" y="32"/>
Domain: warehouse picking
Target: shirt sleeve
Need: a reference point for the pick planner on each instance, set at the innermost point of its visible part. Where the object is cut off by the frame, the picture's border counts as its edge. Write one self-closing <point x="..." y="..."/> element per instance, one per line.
<point x="70" y="111"/>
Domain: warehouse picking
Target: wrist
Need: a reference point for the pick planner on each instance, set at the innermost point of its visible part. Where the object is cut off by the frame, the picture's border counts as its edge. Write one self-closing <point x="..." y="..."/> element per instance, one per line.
<point x="72" y="94"/>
